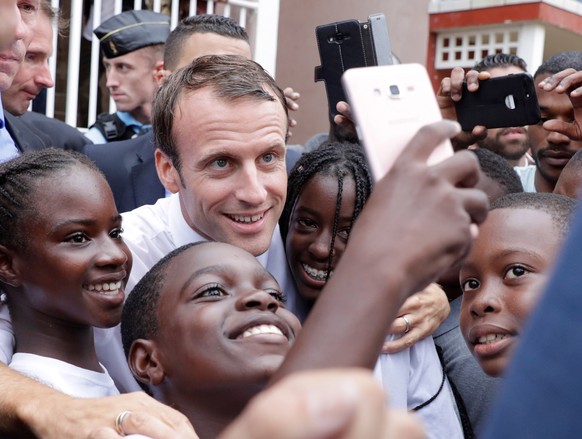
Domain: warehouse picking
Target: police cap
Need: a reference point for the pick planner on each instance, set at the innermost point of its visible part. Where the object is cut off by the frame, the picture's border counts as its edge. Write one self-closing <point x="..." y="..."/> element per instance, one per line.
<point x="132" y="30"/>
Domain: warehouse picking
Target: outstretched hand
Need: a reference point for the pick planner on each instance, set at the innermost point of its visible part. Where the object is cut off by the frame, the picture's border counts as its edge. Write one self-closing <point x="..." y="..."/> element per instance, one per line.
<point x="418" y="221"/>
<point x="421" y="217"/>
<point x="567" y="81"/>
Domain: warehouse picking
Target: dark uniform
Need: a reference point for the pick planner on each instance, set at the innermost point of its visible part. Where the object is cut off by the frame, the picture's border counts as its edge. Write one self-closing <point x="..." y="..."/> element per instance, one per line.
<point x="130" y="170"/>
<point x="121" y="34"/>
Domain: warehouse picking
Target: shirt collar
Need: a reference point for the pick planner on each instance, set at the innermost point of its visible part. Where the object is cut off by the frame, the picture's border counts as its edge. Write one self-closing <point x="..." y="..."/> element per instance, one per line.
<point x="129" y="120"/>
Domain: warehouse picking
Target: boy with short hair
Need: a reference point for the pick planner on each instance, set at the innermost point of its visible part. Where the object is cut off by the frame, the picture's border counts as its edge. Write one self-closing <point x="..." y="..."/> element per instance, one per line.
<point x="508" y="264"/>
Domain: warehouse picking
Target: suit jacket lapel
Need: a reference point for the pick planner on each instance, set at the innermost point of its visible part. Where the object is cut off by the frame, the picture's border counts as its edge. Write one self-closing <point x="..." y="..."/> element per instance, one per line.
<point x="147" y="188"/>
<point x="25" y="137"/>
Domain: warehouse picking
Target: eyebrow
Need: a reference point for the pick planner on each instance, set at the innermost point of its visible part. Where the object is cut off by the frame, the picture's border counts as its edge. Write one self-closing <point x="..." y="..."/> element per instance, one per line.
<point x="309" y="210"/>
<point x="235" y="154"/>
<point x="82" y="222"/>
<point x="506" y="253"/>
<point x="520" y="250"/>
<point x="314" y="212"/>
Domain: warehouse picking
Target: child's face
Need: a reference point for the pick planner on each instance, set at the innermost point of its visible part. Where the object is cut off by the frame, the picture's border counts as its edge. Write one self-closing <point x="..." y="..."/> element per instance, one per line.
<point x="501" y="280"/>
<point x="75" y="264"/>
<point x="311" y="228"/>
<point x="221" y="320"/>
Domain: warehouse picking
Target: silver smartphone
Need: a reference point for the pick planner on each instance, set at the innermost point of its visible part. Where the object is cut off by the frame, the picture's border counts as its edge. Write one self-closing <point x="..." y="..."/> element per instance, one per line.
<point x="390" y="104"/>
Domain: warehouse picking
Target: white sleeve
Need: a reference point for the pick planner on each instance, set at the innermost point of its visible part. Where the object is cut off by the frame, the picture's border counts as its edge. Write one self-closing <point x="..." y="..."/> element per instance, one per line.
<point x="6" y="335"/>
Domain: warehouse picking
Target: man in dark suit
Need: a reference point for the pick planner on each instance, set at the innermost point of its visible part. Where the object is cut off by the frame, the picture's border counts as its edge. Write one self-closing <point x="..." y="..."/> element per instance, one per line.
<point x="33" y="131"/>
<point x="25" y="137"/>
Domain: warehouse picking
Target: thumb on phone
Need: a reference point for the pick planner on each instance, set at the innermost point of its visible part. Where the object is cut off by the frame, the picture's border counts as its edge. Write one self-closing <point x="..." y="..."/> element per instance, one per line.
<point x="425" y="141"/>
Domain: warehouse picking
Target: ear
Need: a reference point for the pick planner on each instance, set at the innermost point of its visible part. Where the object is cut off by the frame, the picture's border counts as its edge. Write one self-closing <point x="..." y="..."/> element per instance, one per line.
<point x="160" y="74"/>
<point x="167" y="173"/>
<point x="9" y="273"/>
<point x="143" y="361"/>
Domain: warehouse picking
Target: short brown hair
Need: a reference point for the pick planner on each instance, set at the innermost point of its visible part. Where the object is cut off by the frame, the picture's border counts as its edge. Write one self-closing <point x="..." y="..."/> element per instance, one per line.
<point x="231" y="77"/>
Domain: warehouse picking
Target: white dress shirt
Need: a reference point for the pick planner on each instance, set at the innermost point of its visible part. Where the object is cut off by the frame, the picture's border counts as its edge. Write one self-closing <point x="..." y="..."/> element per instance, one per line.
<point x="413" y="376"/>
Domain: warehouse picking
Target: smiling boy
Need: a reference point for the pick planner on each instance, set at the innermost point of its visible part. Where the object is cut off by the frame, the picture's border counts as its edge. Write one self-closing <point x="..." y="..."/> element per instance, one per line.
<point x="204" y="331"/>
<point x="502" y="277"/>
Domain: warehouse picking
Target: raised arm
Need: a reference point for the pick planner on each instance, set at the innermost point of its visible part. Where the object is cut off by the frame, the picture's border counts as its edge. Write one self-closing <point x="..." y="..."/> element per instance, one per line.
<point x="403" y="240"/>
<point x="329" y="404"/>
<point x="450" y="92"/>
<point x="567" y="81"/>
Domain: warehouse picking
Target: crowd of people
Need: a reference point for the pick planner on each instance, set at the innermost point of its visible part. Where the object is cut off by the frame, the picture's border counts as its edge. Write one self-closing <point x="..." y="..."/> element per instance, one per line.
<point x="196" y="273"/>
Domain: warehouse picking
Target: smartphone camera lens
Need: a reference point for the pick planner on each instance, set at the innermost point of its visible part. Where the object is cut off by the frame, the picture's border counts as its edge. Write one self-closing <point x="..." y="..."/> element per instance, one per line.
<point x="394" y="90"/>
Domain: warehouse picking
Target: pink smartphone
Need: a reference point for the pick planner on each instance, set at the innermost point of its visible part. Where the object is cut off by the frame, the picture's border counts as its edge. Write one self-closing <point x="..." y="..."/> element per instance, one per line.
<point x="390" y="104"/>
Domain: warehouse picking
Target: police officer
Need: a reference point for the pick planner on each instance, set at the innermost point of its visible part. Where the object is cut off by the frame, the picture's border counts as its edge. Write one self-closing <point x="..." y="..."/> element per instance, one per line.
<point x="132" y="44"/>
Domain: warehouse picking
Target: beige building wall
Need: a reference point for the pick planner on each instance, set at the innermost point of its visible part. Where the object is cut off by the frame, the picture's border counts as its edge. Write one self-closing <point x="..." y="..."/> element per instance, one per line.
<point x="297" y="49"/>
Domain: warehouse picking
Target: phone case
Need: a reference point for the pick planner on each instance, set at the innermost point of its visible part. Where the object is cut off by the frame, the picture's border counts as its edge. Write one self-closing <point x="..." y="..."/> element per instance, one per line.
<point x="390" y="104"/>
<point x="504" y="101"/>
<point x="342" y="45"/>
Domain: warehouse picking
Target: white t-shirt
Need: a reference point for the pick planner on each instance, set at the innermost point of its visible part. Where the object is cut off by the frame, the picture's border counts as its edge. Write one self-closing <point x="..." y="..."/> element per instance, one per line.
<point x="412" y="377"/>
<point x="527" y="176"/>
<point x="64" y="377"/>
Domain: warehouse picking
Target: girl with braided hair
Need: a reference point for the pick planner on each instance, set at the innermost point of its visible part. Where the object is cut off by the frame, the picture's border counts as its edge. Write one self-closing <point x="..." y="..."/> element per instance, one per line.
<point x="63" y="267"/>
<point x="327" y="190"/>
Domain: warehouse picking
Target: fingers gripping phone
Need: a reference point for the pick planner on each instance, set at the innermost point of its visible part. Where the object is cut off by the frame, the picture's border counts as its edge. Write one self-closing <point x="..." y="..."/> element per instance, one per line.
<point x="503" y="101"/>
<point x="390" y="104"/>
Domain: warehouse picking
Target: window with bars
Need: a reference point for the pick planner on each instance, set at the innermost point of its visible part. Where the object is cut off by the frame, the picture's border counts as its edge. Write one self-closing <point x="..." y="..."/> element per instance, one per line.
<point x="466" y="48"/>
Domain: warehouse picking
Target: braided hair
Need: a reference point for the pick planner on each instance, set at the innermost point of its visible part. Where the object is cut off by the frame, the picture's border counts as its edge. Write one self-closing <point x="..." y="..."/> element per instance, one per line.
<point x="20" y="178"/>
<point x="336" y="159"/>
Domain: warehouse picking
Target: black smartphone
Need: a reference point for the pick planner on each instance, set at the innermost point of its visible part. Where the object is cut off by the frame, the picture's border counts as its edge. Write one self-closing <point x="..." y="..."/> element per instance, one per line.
<point x="346" y="44"/>
<point x="503" y="101"/>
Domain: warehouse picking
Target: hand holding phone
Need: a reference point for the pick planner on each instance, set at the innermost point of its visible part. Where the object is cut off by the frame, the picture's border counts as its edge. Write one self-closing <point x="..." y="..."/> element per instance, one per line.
<point x="347" y="44"/>
<point x="503" y="101"/>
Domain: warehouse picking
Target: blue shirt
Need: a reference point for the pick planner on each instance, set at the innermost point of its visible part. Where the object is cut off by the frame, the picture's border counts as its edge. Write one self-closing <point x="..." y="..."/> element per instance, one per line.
<point x="8" y="149"/>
